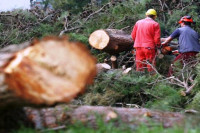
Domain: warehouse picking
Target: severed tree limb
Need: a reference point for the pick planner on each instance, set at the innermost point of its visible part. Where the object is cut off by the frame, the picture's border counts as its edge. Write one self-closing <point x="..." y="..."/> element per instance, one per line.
<point x="68" y="30"/>
<point x="97" y="11"/>
<point x="114" y="23"/>
<point x="186" y="77"/>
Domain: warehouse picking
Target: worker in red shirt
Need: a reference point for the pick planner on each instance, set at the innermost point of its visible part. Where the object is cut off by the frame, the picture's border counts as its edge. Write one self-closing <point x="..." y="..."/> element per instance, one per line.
<point x="146" y="37"/>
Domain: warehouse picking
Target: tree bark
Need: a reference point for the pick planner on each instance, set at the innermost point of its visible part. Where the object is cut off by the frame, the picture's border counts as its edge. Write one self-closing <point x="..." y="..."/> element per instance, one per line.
<point x="58" y="116"/>
<point x="112" y="41"/>
<point x="49" y="71"/>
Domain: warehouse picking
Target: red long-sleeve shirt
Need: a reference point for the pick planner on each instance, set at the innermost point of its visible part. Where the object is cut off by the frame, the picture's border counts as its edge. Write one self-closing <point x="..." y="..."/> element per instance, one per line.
<point x="146" y="33"/>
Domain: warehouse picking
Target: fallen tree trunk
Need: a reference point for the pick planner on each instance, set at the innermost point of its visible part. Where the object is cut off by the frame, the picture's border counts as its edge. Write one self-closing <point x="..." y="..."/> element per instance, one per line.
<point x="59" y="116"/>
<point x="49" y="71"/>
<point x="111" y="41"/>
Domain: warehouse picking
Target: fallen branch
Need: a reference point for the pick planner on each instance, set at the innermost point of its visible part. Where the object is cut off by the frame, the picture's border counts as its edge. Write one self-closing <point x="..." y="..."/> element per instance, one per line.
<point x="68" y="30"/>
<point x="96" y="12"/>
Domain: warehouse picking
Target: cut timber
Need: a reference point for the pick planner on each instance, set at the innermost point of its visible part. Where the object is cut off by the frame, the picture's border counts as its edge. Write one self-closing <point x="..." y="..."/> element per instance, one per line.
<point x="58" y="116"/>
<point x="49" y="71"/>
<point x="114" y="62"/>
<point x="111" y="41"/>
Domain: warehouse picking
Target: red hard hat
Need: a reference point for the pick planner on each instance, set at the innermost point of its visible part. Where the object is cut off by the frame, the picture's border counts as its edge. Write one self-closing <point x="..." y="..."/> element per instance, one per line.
<point x="186" y="19"/>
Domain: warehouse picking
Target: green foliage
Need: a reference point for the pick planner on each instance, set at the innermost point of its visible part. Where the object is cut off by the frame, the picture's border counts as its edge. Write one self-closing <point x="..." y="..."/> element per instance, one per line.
<point x="171" y="21"/>
<point x="117" y="16"/>
<point x="100" y="56"/>
<point x="162" y="65"/>
<point x="22" y="25"/>
<point x="24" y="130"/>
<point x="195" y="104"/>
<point x="160" y="129"/>
<point x="106" y="98"/>
<point x="167" y="98"/>
<point x="134" y="88"/>
<point x="27" y="16"/>
<point x="110" y="127"/>
<point x="79" y="37"/>
<point x="73" y="6"/>
<point x="44" y="30"/>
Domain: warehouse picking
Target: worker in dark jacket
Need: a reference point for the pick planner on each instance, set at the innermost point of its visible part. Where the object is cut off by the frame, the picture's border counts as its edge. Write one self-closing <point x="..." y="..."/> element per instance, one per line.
<point x="188" y="41"/>
<point x="146" y="37"/>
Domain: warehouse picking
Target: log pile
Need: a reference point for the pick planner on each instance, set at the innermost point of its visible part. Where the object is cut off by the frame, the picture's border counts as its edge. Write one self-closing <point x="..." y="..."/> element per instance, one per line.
<point x="49" y="71"/>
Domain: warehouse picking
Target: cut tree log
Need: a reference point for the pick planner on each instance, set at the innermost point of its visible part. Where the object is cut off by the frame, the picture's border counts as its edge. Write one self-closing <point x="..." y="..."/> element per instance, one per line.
<point x="114" y="62"/>
<point x="49" y="71"/>
<point x="112" y="41"/>
<point x="59" y="116"/>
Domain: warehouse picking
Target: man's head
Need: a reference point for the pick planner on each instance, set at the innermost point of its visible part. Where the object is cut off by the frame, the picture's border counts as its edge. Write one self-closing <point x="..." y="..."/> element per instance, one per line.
<point x="151" y="13"/>
<point x="186" y="20"/>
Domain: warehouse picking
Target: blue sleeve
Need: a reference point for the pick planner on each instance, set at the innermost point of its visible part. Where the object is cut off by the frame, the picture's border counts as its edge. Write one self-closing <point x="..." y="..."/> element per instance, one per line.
<point x="175" y="34"/>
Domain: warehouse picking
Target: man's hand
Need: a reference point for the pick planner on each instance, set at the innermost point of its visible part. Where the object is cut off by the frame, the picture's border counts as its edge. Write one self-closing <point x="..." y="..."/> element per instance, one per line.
<point x="165" y="41"/>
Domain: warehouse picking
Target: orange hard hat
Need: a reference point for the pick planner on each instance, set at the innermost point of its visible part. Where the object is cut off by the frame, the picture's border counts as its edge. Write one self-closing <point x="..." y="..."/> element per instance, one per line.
<point x="186" y="19"/>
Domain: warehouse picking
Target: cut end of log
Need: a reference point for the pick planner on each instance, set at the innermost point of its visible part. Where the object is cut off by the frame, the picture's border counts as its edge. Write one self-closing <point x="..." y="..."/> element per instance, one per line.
<point x="112" y="41"/>
<point x="99" y="39"/>
<point x="113" y="58"/>
<point x="50" y="71"/>
<point x="114" y="62"/>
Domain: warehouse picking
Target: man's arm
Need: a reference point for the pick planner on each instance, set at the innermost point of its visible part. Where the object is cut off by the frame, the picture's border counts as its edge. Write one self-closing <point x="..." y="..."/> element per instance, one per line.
<point x="133" y="34"/>
<point x="157" y="35"/>
<point x="175" y="34"/>
<point x="166" y="40"/>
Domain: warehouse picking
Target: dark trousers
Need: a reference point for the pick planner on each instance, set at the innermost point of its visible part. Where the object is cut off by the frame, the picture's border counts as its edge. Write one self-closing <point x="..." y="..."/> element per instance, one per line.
<point x="183" y="58"/>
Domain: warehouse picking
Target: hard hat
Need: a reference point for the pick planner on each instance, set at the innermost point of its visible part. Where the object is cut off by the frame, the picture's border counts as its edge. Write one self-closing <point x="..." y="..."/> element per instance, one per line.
<point x="186" y="19"/>
<point x="151" y="12"/>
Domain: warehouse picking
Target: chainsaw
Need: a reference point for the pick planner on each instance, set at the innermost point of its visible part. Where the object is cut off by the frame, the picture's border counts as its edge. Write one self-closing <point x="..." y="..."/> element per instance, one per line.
<point x="170" y="49"/>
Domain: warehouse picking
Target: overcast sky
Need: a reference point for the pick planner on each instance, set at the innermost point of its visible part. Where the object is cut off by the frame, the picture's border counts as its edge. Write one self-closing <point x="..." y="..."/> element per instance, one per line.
<point x="6" y="5"/>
